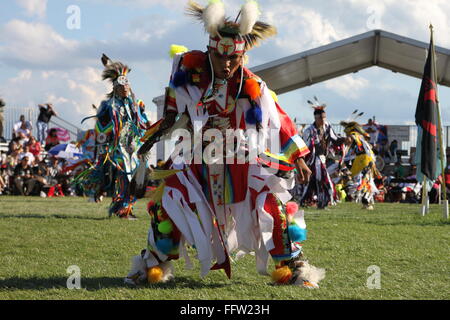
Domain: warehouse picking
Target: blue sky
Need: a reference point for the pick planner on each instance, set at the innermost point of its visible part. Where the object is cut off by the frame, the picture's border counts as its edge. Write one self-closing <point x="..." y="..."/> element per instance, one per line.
<point x="43" y="60"/>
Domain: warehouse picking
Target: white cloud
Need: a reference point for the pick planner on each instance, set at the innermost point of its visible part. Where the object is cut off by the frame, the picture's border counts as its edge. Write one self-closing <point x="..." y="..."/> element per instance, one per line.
<point x="300" y="28"/>
<point x="72" y="92"/>
<point x="34" y="44"/>
<point x="34" y="7"/>
<point x="347" y="86"/>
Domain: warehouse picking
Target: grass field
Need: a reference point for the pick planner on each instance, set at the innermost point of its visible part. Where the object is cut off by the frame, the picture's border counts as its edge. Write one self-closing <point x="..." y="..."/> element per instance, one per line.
<point x="41" y="238"/>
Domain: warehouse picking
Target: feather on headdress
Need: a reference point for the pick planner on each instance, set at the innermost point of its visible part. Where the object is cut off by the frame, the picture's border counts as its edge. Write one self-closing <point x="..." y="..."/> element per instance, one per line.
<point x="317" y="106"/>
<point x="352" y="126"/>
<point x="113" y="70"/>
<point x="217" y="25"/>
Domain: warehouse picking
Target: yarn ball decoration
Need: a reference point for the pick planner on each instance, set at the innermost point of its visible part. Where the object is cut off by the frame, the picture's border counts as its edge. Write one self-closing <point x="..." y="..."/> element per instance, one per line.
<point x="291" y="208"/>
<point x="155" y="274"/>
<point x="282" y="275"/>
<point x="252" y="89"/>
<point x="176" y="49"/>
<point x="164" y="245"/>
<point x="296" y="233"/>
<point x="253" y="115"/>
<point x="165" y="227"/>
<point x="180" y="78"/>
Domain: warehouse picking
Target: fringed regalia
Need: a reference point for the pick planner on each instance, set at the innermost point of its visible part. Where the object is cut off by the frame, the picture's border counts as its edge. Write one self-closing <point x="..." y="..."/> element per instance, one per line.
<point x="119" y="127"/>
<point x="320" y="188"/>
<point x="363" y="170"/>
<point x="235" y="203"/>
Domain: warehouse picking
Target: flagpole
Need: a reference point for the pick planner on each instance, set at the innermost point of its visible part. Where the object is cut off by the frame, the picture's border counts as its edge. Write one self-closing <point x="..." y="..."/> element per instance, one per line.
<point x="423" y="209"/>
<point x="441" y="146"/>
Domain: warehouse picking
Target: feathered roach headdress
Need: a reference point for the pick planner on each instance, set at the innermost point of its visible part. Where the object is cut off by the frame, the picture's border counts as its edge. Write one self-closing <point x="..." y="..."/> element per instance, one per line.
<point x="318" y="107"/>
<point x="116" y="72"/>
<point x="351" y="125"/>
<point x="227" y="36"/>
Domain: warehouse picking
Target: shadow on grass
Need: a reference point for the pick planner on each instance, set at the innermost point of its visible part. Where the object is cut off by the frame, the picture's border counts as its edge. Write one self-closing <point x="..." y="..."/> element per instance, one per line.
<point x="433" y="223"/>
<point x="57" y="216"/>
<point x="99" y="283"/>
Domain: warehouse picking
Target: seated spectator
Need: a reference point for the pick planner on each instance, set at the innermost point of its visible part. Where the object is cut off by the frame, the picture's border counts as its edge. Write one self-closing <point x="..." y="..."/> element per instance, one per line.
<point x="51" y="140"/>
<point x="14" y="145"/>
<point x="23" y="177"/>
<point x="434" y="192"/>
<point x="13" y="158"/>
<point x="23" y="133"/>
<point x="40" y="171"/>
<point x="19" y="124"/>
<point x="34" y="146"/>
<point x="399" y="170"/>
<point x="26" y="153"/>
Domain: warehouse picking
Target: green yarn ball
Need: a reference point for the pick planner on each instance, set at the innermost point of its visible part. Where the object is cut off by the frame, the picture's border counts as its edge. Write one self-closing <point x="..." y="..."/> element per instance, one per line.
<point x="165" y="227"/>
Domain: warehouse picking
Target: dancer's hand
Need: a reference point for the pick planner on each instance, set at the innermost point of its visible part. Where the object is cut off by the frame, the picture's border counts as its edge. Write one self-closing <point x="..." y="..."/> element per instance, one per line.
<point x="304" y="173"/>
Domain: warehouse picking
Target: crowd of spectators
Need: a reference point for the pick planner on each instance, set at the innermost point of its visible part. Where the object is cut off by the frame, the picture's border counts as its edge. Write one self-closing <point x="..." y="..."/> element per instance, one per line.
<point x="27" y="169"/>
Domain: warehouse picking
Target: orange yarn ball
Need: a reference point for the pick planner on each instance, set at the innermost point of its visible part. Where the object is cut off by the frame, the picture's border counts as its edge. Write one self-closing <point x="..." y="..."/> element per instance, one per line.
<point x="282" y="275"/>
<point x="252" y="88"/>
<point x="155" y="274"/>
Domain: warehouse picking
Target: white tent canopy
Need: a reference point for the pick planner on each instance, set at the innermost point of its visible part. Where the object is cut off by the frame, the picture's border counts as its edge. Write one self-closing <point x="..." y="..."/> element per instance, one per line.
<point x="374" y="48"/>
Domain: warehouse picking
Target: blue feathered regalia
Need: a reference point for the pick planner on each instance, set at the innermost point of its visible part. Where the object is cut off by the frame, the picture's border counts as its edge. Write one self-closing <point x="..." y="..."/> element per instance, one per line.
<point x="117" y="170"/>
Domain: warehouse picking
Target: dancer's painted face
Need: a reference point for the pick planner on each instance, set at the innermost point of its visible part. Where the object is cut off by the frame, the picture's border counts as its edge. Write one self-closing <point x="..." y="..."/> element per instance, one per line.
<point x="225" y="65"/>
<point x="320" y="118"/>
<point x="122" y="91"/>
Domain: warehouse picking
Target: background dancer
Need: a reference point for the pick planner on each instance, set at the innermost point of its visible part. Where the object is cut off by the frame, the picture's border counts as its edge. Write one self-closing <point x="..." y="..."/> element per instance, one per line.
<point x="320" y="139"/>
<point x="118" y="129"/>
<point x="363" y="170"/>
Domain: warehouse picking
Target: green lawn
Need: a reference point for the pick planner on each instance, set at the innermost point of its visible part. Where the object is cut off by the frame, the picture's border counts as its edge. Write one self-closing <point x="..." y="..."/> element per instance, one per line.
<point x="41" y="238"/>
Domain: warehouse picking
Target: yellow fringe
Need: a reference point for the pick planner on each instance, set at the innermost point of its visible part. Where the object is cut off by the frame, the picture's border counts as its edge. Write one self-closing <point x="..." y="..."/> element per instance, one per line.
<point x="274" y="95"/>
<point x="162" y="174"/>
<point x="156" y="195"/>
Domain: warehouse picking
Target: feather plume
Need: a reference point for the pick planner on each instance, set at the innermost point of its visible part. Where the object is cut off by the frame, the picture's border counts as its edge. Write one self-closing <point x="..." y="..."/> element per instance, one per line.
<point x="113" y="70"/>
<point x="261" y="31"/>
<point x="214" y="17"/>
<point x="105" y="60"/>
<point x="249" y="15"/>
<point x="195" y="10"/>
<point x="141" y="172"/>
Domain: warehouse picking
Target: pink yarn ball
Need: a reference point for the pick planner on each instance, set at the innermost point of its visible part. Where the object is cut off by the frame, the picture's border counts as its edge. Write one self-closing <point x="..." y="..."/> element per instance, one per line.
<point x="291" y="207"/>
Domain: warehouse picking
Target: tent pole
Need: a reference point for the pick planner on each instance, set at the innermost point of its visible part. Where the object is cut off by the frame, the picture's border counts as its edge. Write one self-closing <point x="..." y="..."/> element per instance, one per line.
<point x="441" y="145"/>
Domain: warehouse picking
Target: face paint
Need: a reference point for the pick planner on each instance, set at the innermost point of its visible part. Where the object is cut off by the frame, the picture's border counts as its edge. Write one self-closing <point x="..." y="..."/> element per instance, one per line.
<point x="227" y="46"/>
